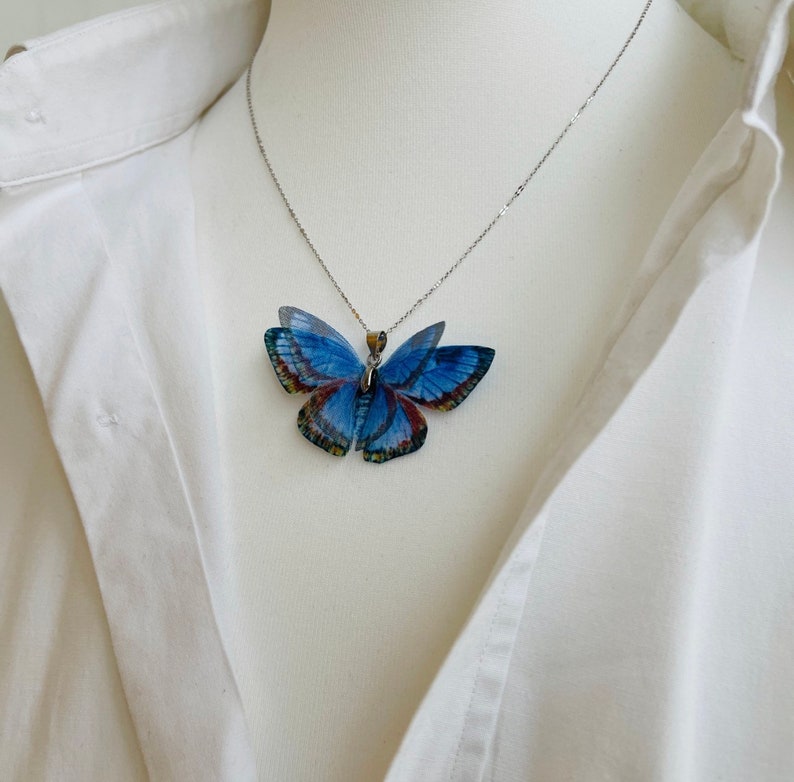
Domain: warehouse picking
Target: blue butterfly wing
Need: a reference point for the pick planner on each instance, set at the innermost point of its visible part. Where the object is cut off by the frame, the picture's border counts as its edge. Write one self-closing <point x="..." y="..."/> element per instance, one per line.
<point x="307" y="353"/>
<point x="392" y="426"/>
<point x="417" y="372"/>
<point x="408" y="362"/>
<point x="375" y="414"/>
<point x="449" y="376"/>
<point x="311" y="357"/>
<point x="438" y="378"/>
<point x="330" y="416"/>
<point x="294" y="318"/>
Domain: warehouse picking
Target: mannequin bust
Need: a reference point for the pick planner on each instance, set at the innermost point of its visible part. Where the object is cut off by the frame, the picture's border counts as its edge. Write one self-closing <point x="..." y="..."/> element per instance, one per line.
<point x="398" y="131"/>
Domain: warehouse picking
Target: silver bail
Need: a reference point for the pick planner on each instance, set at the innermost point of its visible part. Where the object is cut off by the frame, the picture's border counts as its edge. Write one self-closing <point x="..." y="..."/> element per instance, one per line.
<point x="376" y="342"/>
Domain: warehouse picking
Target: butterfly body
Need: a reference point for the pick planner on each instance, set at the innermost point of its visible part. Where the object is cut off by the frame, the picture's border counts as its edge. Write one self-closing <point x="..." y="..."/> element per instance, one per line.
<point x="370" y="407"/>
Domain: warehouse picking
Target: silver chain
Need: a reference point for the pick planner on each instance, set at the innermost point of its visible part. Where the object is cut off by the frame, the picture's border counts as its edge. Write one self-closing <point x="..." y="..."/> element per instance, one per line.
<point x="437" y="284"/>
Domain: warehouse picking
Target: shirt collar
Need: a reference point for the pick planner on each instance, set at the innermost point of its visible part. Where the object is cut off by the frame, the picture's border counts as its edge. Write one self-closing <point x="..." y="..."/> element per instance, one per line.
<point x="100" y="90"/>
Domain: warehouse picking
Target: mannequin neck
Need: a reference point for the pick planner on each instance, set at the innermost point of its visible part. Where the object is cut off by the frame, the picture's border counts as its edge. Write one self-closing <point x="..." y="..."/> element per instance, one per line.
<point x="403" y="60"/>
<point x="431" y="113"/>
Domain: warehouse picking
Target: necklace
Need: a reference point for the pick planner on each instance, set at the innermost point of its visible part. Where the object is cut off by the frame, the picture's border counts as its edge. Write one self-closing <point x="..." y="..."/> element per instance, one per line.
<point x="371" y="406"/>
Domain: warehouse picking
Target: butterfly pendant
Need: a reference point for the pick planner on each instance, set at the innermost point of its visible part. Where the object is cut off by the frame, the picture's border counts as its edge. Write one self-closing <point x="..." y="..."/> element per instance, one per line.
<point x="371" y="407"/>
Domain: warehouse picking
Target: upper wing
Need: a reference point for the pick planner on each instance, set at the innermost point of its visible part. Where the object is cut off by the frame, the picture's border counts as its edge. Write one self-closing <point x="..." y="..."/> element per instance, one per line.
<point x="449" y="376"/>
<point x="306" y="352"/>
<point x="408" y="362"/>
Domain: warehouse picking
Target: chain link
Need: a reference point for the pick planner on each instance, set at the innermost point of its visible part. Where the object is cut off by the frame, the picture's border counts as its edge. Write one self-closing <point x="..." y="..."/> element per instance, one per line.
<point x="440" y="281"/>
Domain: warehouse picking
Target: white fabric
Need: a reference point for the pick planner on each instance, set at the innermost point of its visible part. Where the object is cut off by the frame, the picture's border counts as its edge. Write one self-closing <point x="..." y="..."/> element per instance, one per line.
<point x="638" y="624"/>
<point x="367" y="588"/>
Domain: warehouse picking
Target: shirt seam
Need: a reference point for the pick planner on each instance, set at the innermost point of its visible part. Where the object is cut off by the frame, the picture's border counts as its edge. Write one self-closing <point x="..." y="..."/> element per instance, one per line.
<point x="185" y="491"/>
<point x="93" y="139"/>
<point x="37" y="45"/>
<point x="93" y="163"/>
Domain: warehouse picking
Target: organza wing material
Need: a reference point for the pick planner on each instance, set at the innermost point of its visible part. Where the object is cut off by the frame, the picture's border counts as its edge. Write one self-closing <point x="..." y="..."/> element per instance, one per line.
<point x="395" y="427"/>
<point x="407" y="363"/>
<point x="329" y="417"/>
<point x="384" y="421"/>
<point x="449" y="376"/>
<point x="375" y="414"/>
<point x="307" y="353"/>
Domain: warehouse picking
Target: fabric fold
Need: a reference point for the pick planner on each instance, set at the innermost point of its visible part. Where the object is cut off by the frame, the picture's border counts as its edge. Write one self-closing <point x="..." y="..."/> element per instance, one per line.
<point x="48" y="112"/>
<point x="110" y="414"/>
<point x="106" y="423"/>
<point x="740" y="168"/>
<point x="106" y="376"/>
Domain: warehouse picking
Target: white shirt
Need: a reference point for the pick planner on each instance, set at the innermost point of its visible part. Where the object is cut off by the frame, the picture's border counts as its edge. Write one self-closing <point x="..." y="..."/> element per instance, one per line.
<point x="638" y="624"/>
